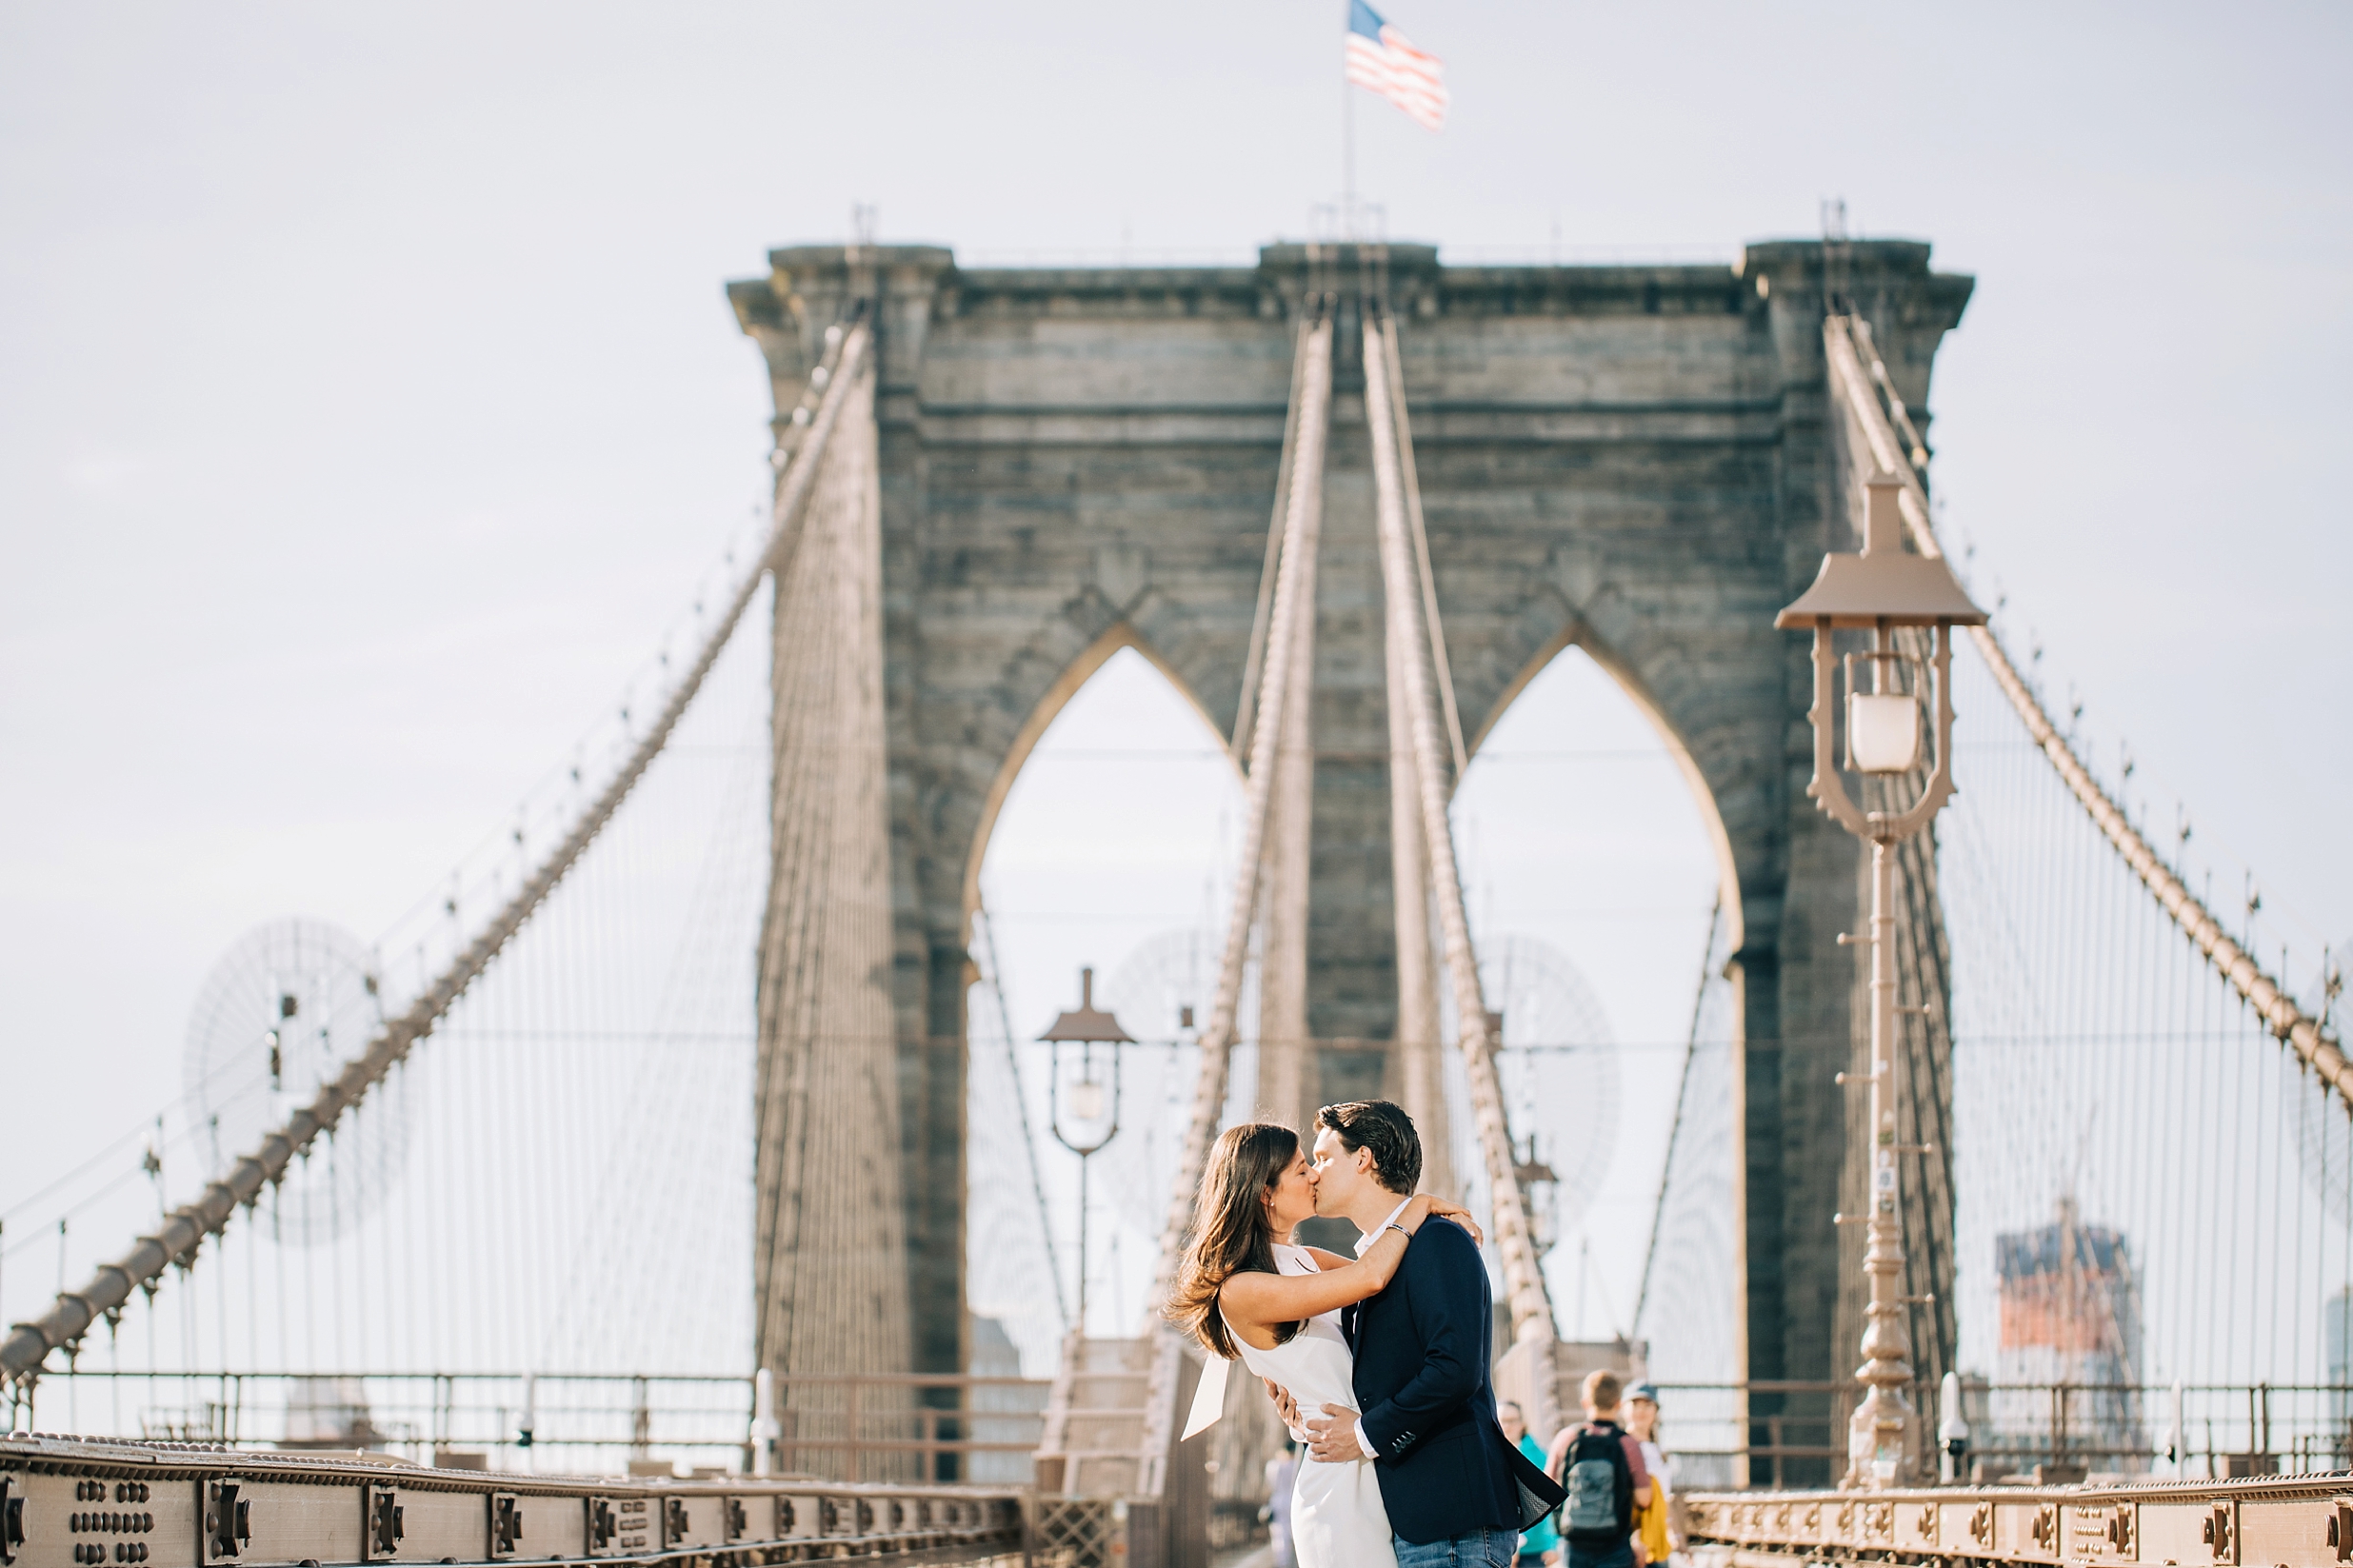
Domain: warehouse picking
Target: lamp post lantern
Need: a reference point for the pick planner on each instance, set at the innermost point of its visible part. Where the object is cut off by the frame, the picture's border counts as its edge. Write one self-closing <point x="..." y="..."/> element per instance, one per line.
<point x="1085" y="1026"/>
<point x="1880" y="590"/>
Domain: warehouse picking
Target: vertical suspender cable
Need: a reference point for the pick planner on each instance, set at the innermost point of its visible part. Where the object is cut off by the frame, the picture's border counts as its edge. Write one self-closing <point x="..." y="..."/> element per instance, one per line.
<point x="1020" y="1110"/>
<point x="1682" y="1096"/>
<point x="831" y="1287"/>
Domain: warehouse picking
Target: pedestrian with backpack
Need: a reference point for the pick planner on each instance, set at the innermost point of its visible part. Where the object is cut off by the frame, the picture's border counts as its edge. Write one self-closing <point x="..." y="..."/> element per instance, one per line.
<point x="1602" y="1467"/>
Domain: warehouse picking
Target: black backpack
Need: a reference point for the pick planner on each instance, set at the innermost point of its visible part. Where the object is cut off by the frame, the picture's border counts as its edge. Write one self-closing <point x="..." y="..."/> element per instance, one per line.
<point x="1599" y="1512"/>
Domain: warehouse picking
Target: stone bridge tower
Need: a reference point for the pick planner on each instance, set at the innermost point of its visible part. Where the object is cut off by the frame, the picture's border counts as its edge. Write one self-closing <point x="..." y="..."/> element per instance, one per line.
<point x="1636" y="460"/>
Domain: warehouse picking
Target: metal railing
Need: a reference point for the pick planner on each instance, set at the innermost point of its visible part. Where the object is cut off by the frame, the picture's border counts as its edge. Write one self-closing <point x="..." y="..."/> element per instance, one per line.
<point x="1794" y="1433"/>
<point x="917" y="1426"/>
<point x="2219" y="1431"/>
<point x="905" y="1428"/>
<point x="1760" y="1433"/>
<point x="967" y="1429"/>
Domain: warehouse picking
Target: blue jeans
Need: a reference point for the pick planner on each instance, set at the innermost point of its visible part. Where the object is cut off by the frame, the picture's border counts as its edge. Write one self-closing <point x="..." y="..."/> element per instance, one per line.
<point x="1478" y="1549"/>
<point x="1586" y="1557"/>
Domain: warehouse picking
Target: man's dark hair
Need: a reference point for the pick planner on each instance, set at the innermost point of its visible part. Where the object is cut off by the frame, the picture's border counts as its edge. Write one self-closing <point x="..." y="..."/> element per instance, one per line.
<point x="1388" y="1131"/>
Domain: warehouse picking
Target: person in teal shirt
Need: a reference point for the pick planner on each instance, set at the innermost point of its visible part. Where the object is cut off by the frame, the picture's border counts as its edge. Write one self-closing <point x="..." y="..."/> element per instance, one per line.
<point x="1541" y="1545"/>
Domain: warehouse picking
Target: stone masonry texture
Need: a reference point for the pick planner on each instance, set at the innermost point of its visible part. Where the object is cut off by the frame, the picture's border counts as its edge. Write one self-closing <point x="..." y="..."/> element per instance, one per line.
<point x="1634" y="460"/>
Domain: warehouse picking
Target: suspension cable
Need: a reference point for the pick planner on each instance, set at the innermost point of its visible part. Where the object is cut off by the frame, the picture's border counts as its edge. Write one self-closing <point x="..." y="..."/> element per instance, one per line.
<point x="1845" y="341"/>
<point x="1531" y="1305"/>
<point x="184" y="1231"/>
<point x="1302" y="511"/>
<point x="1239" y="746"/>
<point x="1420" y="545"/>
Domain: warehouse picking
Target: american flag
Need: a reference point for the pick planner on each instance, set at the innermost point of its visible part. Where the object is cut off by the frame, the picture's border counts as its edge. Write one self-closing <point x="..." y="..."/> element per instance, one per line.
<point x="1380" y="58"/>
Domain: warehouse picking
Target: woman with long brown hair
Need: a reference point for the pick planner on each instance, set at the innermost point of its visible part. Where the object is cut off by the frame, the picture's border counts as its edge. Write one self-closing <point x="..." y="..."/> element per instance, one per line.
<point x="1249" y="1295"/>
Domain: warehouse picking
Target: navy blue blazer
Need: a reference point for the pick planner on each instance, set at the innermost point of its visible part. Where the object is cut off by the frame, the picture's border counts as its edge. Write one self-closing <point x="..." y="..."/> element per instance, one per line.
<point x="1422" y="1355"/>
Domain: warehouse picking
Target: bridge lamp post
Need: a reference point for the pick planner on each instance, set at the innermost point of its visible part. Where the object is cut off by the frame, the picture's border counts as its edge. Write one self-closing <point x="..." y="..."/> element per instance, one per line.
<point x="1085" y="1026"/>
<point x="1880" y="590"/>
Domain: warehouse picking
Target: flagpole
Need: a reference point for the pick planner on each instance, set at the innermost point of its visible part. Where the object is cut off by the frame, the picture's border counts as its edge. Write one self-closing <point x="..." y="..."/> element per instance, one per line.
<point x="1348" y="155"/>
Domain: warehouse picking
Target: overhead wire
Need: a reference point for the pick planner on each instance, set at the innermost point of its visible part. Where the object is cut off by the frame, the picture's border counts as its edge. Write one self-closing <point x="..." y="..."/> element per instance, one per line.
<point x="986" y="924"/>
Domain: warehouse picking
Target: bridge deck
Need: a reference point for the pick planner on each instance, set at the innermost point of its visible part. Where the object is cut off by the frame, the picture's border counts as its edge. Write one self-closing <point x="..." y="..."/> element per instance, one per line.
<point x="2275" y="1521"/>
<point x="67" y="1503"/>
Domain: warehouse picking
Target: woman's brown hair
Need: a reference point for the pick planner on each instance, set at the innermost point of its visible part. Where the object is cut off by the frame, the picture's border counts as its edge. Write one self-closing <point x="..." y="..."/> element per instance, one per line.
<point x="1232" y="1232"/>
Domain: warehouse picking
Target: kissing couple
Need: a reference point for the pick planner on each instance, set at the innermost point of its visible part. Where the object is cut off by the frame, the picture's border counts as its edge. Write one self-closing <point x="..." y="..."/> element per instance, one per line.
<point x="1379" y="1362"/>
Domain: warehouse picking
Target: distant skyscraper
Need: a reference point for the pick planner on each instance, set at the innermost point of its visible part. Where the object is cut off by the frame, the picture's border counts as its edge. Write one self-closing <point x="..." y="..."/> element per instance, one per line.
<point x="2337" y="1350"/>
<point x="2071" y="1330"/>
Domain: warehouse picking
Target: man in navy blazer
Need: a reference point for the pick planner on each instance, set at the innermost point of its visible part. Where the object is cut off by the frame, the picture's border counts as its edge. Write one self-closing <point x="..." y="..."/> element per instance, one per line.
<point x="1456" y="1489"/>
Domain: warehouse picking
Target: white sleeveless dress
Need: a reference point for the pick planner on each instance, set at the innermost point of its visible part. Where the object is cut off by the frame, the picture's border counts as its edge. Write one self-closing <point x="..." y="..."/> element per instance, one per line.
<point x="1337" y="1516"/>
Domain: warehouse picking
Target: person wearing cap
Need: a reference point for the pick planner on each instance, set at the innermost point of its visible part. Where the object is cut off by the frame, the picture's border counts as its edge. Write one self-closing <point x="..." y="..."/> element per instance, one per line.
<point x="1642" y="1419"/>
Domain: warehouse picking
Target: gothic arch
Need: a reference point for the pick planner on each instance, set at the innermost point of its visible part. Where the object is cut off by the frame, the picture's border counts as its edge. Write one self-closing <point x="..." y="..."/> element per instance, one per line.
<point x="1119" y="634"/>
<point x="1578" y="633"/>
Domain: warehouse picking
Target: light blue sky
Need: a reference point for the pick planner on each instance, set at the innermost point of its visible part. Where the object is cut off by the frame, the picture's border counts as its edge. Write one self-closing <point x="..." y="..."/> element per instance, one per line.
<point x="369" y="403"/>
